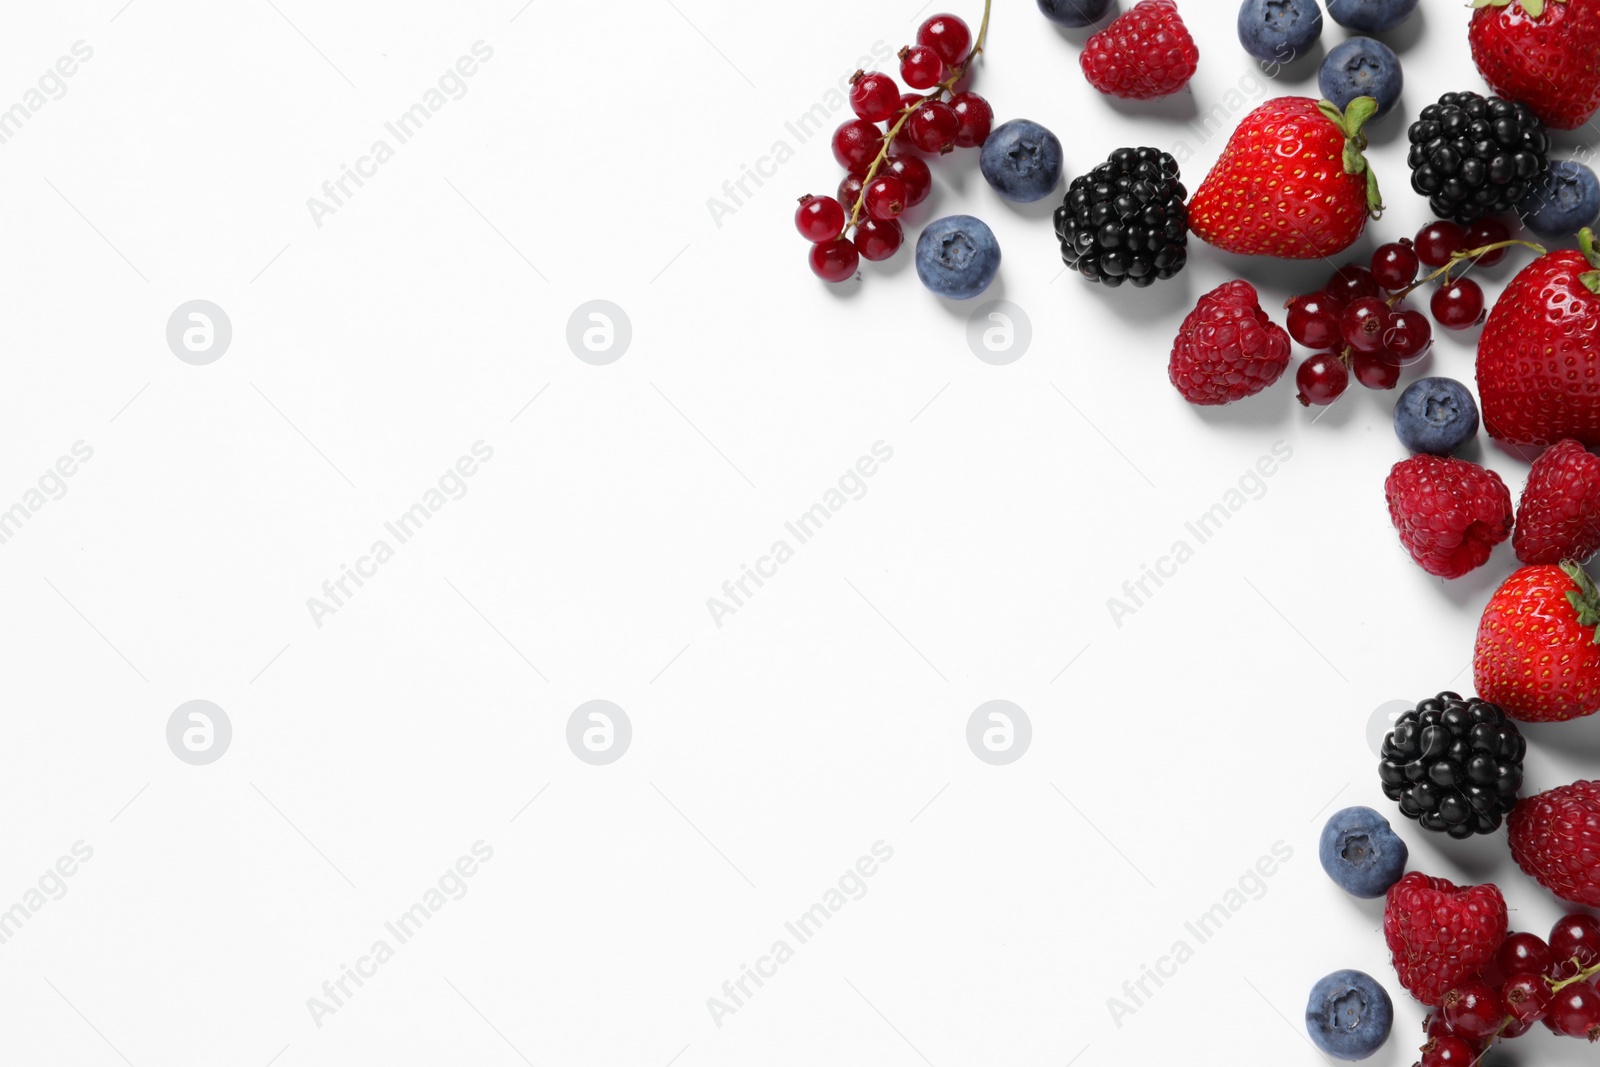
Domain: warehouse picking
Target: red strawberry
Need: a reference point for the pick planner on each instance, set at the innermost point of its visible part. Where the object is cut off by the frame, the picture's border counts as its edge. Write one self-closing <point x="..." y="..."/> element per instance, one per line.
<point x="1539" y="355"/>
<point x="1146" y="52"/>
<point x="1544" y="53"/>
<point x="1227" y="348"/>
<point x="1536" y="654"/>
<point x="1555" y="838"/>
<point x="1440" y="934"/>
<point x="1450" y="513"/>
<point x="1559" y="516"/>
<point x="1291" y="183"/>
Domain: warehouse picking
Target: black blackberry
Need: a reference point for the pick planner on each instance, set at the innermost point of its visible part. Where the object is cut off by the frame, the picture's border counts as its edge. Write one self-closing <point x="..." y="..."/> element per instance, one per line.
<point x="1454" y="765"/>
<point x="1473" y="156"/>
<point x="1126" y="220"/>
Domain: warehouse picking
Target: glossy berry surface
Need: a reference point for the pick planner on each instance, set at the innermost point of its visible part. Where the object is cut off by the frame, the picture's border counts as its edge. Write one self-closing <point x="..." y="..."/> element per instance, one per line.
<point x="1526" y="996"/>
<point x="1374" y="370"/>
<point x="1575" y="1012"/>
<point x="874" y="96"/>
<point x="1473" y="1010"/>
<point x="974" y="118"/>
<point x="1437" y="242"/>
<point x="1313" y="320"/>
<point x="1321" y="379"/>
<point x="1364" y="322"/>
<point x="1487" y="231"/>
<point x="1394" y="266"/>
<point x="1407" y="336"/>
<point x="1523" y="953"/>
<point x="1448" y="1051"/>
<point x="1453" y="765"/>
<point x="877" y="240"/>
<point x="913" y="174"/>
<point x="1473" y="156"/>
<point x="1126" y="220"/>
<point x="856" y="144"/>
<point x="948" y="36"/>
<point x="1458" y="305"/>
<point x="819" y="218"/>
<point x="1350" y="283"/>
<point x="885" y="197"/>
<point x="921" y="67"/>
<point x="849" y="192"/>
<point x="1574" y="937"/>
<point x="933" y="127"/>
<point x="835" y="261"/>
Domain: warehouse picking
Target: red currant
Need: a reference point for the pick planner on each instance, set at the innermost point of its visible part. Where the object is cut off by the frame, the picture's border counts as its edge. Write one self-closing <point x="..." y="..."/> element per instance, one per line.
<point x="819" y="218"/>
<point x="933" y="126"/>
<point x="975" y="118"/>
<point x="885" y="197"/>
<point x="1523" y="953"/>
<point x="1375" y="370"/>
<point x="1350" y="283"/>
<point x="914" y="173"/>
<point x="1473" y="1010"/>
<point x="1364" y="322"/>
<point x="1394" y="266"/>
<point x="948" y="36"/>
<point x="1438" y="241"/>
<point x="1458" y="305"/>
<point x="1575" y="936"/>
<point x="920" y="66"/>
<point x="1322" y="379"/>
<point x="834" y="261"/>
<point x="856" y="144"/>
<point x="1515" y="1027"/>
<point x="1488" y="231"/>
<point x="1314" y="320"/>
<point x="1526" y="996"/>
<point x="1407" y="336"/>
<point x="1575" y="1011"/>
<point x="874" y="96"/>
<point x="1448" y="1051"/>
<point x="877" y="239"/>
<point x="909" y="101"/>
<point x="850" y="192"/>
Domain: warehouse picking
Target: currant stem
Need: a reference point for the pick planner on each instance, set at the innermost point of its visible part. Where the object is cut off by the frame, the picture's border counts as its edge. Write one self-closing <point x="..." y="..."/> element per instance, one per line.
<point x="1583" y="975"/>
<point x="1457" y="259"/>
<point x="948" y="85"/>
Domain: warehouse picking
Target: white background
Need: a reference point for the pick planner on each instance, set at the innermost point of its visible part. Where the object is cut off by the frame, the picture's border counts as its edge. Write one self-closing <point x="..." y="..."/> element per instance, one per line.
<point x="1168" y="755"/>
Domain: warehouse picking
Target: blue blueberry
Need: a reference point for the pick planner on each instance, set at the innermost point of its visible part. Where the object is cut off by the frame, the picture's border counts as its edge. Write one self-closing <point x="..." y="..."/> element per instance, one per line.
<point x="1563" y="201"/>
<point x="1436" y="416"/>
<point x="1276" y="31"/>
<point x="957" y="256"/>
<point x="1361" y="853"/>
<point x="1362" y="67"/>
<point x="1349" y="1015"/>
<point x="1075" y="13"/>
<point x="1370" y="16"/>
<point x="1022" y="160"/>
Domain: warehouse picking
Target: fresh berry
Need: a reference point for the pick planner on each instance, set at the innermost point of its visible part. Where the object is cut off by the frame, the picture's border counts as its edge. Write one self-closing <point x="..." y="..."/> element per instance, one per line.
<point x="1526" y="996"/>
<point x="1245" y="206"/>
<point x="1545" y="53"/>
<point x="1321" y="379"/>
<point x="1364" y="323"/>
<point x="1125" y="221"/>
<point x="1375" y="370"/>
<point x="1472" y="156"/>
<point x="1436" y="416"/>
<point x="1555" y="839"/>
<point x="1458" y="304"/>
<point x="1227" y="348"/>
<point x="1407" y="335"/>
<point x="1145" y="53"/>
<point x="835" y="260"/>
<point x="1351" y="282"/>
<point x="1564" y="200"/>
<point x="1438" y="241"/>
<point x="1559" y="515"/>
<point x="1394" y="265"/>
<point x="933" y="127"/>
<point x="1370" y="16"/>
<point x="1539" y="353"/>
<point x="915" y="175"/>
<point x="957" y="256"/>
<point x="878" y="240"/>
<point x="921" y="67"/>
<point x="1440" y="934"/>
<point x="1536" y="654"/>
<point x="1450" y="514"/>
<point x="974" y="119"/>
<point x="856" y="144"/>
<point x="1453" y="765"/>
<point x="1279" y="31"/>
<point x="1361" y="66"/>
<point x="1473" y="1010"/>
<point x="850" y="191"/>
<point x="1021" y="160"/>
<point x="1349" y="1015"/>
<point x="1448" y="1051"/>
<point x="884" y="198"/>
<point x="1361" y="853"/>
<point x="948" y="36"/>
<point x="1575" y="941"/>
<point x="1486" y="231"/>
<point x="1075" y="14"/>
<point x="1314" y="320"/>
<point x="1523" y="954"/>
<point x="1575" y="1012"/>
<point x="819" y="218"/>
<point x="874" y="96"/>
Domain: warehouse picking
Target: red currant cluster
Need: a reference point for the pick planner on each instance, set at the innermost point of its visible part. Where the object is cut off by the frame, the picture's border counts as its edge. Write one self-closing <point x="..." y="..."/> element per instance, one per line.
<point x="1531" y="980"/>
<point x="884" y="174"/>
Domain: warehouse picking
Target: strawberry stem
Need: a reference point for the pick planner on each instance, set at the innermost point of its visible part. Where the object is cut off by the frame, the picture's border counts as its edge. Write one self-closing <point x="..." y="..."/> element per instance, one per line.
<point x="1590" y="279"/>
<point x="1585" y="600"/>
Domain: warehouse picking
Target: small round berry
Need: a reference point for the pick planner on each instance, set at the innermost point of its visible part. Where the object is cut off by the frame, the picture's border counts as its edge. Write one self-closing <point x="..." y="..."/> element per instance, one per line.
<point x="1407" y="336"/>
<point x="850" y="191"/>
<point x="914" y="173"/>
<point x="877" y="239"/>
<point x="920" y="66"/>
<point x="1350" y="283"/>
<point x="1514" y="1027"/>
<point x="1448" y="1050"/>
<point x="1523" y="953"/>
<point x="819" y="218"/>
<point x="1575" y="1011"/>
<point x="874" y="96"/>
<point x="1458" y="305"/>
<point x="1394" y="266"/>
<point x="1487" y="231"/>
<point x="933" y="127"/>
<point x="1365" y="320"/>
<point x="1473" y="1010"/>
<point x="1438" y="241"/>
<point x="1314" y="320"/>
<point x="1526" y="997"/>
<point x="948" y="36"/>
<point x="856" y="144"/>
<point x="909" y="101"/>
<point x="1375" y="370"/>
<point x="975" y="119"/>
<point x="1322" y="379"/>
<point x="1575" y="936"/>
<point x="885" y="197"/>
<point x="834" y="261"/>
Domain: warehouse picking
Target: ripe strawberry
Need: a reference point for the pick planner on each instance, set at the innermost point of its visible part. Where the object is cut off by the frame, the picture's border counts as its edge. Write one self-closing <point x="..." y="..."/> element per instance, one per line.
<point x="1536" y="653"/>
<point x="1146" y="52"/>
<point x="1450" y="513"/>
<point x="1555" y="838"/>
<point x="1543" y="53"/>
<point x="1539" y="354"/>
<point x="1292" y="182"/>
<point x="1440" y="934"/>
<point x="1559" y="515"/>
<point x="1227" y="348"/>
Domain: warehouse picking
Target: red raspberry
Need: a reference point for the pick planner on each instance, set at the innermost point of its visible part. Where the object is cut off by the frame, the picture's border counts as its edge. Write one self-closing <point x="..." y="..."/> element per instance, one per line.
<point x="1145" y="53"/>
<point x="1559" y="515"/>
<point x="1450" y="513"/>
<point x="1227" y="348"/>
<point x="1555" y="838"/>
<point x="1440" y="934"/>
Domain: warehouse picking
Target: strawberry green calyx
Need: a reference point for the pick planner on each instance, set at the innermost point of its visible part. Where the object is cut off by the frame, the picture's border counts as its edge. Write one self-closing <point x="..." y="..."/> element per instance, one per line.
<point x="1590" y="279"/>
<point x="1534" y="8"/>
<point x="1350" y="122"/>
<point x="1585" y="599"/>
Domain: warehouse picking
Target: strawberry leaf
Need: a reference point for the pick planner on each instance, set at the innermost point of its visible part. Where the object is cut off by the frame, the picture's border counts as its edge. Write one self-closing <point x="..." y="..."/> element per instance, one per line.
<point x="1350" y="122"/>
<point x="1585" y="599"/>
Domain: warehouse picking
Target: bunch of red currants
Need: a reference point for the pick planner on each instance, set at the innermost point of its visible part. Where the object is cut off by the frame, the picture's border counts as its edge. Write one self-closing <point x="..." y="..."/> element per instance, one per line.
<point x="879" y="149"/>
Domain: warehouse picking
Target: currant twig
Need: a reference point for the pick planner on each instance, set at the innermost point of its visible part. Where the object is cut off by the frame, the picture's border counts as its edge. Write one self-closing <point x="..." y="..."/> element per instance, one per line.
<point x="1583" y="975"/>
<point x="1456" y="260"/>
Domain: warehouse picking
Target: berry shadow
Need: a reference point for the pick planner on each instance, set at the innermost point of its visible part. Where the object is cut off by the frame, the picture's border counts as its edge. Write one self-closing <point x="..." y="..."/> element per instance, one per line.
<point x="1080" y="37"/>
<point x="961" y="310"/>
<point x="1138" y="307"/>
<point x="1269" y="409"/>
<point x="1178" y="107"/>
<point x="1404" y="37"/>
<point x="1389" y="129"/>
<point x="1471" y="591"/>
<point x="1478" y="859"/>
<point x="1302" y="68"/>
<point x="1577" y="738"/>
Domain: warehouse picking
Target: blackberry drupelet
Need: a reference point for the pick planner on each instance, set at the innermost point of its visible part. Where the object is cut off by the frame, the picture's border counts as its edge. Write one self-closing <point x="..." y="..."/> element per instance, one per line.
<point x="1473" y="156"/>
<point x="1454" y="765"/>
<point x="1126" y="220"/>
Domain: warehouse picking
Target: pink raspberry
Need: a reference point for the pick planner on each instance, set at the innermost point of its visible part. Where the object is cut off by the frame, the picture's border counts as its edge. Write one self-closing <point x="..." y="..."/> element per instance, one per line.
<point x="1227" y="348"/>
<point x="1450" y="513"/>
